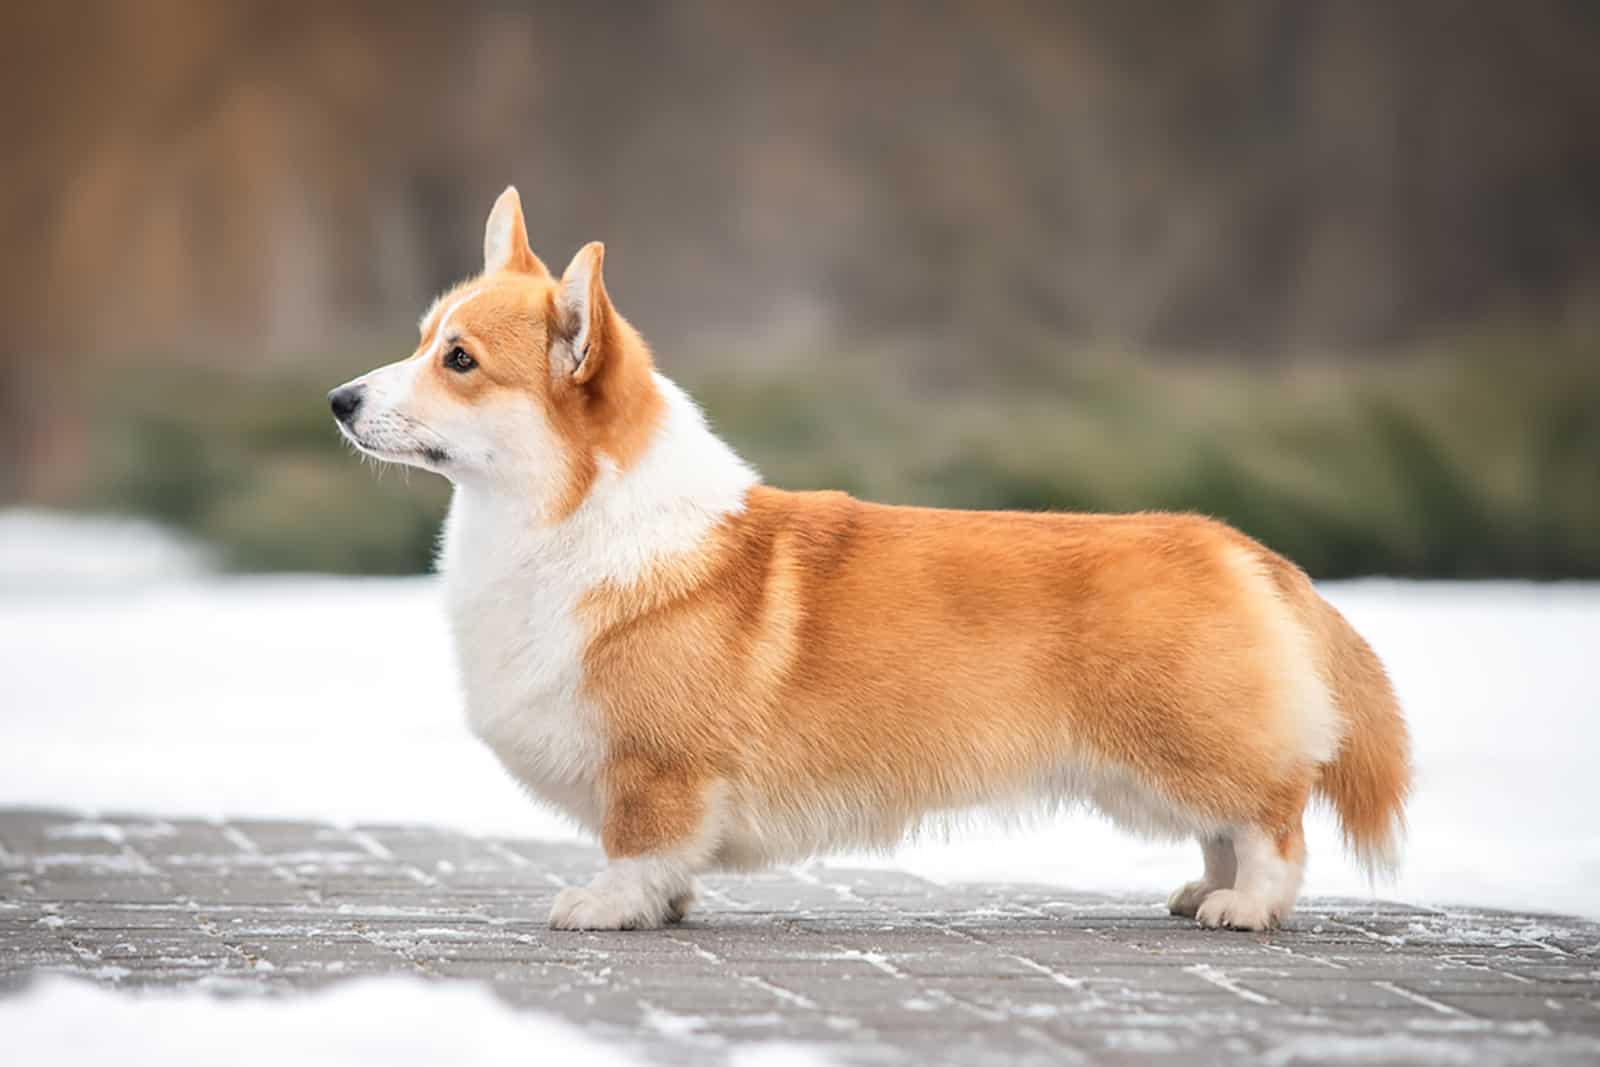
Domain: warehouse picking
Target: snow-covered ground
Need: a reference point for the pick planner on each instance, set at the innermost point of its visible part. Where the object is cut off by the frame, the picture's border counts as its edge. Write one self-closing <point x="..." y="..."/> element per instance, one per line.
<point x="131" y="680"/>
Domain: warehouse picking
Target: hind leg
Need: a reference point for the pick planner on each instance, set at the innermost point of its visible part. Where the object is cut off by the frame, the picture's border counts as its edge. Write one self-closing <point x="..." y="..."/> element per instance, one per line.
<point x="1265" y="885"/>
<point x="1220" y="870"/>
<point x="678" y="907"/>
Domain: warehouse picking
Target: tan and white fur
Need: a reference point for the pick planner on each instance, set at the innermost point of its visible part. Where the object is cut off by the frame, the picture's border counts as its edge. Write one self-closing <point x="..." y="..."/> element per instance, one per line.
<point x="709" y="673"/>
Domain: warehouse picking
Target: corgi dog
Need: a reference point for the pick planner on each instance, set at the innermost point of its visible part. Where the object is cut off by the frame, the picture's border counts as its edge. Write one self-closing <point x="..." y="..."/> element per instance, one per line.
<point x="709" y="673"/>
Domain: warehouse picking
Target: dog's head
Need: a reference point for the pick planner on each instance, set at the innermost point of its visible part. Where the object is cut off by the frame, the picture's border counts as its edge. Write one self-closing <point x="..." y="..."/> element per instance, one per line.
<point x="522" y="381"/>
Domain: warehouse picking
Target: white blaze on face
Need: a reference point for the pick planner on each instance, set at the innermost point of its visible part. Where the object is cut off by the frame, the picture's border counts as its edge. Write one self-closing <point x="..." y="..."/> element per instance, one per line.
<point x="395" y="386"/>
<point x="436" y="350"/>
<point x="391" y="422"/>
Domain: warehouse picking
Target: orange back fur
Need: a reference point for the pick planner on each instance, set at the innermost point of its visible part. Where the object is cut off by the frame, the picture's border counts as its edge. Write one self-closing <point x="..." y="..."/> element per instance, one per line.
<point x="823" y="653"/>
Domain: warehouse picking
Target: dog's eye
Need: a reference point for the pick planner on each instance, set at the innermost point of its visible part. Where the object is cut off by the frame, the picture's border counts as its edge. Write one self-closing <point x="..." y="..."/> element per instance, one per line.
<point x="458" y="360"/>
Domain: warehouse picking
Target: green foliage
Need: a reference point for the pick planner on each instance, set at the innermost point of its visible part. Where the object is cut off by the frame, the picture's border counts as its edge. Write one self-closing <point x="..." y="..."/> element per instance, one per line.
<point x="1484" y="461"/>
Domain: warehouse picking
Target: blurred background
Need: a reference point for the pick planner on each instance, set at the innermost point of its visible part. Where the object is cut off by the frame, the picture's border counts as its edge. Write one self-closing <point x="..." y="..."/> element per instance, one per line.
<point x="1330" y="271"/>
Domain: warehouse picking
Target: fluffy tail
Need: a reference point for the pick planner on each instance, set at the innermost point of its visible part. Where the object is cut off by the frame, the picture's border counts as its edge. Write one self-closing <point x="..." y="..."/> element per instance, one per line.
<point x="1369" y="778"/>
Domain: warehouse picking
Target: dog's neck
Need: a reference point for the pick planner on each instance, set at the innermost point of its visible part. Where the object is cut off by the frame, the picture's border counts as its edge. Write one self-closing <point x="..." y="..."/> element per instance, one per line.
<point x="685" y="482"/>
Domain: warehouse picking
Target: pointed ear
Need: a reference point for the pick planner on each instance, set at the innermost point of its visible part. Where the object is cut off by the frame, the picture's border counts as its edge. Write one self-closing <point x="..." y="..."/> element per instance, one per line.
<point x="584" y="312"/>
<point x="505" y="238"/>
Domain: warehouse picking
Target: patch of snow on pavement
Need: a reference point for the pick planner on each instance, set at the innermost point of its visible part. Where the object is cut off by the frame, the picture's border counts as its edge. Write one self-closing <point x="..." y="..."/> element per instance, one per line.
<point x="389" y="1021"/>
<point x="336" y="698"/>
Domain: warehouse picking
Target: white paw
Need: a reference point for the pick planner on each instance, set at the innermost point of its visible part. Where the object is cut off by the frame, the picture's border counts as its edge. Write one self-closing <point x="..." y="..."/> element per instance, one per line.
<point x="1186" y="899"/>
<point x="1236" y="911"/>
<point x="585" y="908"/>
<point x="678" y="907"/>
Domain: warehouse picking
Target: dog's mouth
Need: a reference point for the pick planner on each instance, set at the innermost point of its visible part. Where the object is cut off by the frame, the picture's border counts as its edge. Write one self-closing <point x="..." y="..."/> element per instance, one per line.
<point x="411" y="455"/>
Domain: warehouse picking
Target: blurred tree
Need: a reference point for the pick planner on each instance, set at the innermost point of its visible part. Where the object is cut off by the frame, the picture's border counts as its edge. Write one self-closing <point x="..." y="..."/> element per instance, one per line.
<point x="217" y="181"/>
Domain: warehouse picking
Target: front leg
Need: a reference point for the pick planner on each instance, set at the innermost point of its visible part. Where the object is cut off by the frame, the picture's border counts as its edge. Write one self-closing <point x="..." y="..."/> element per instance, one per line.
<point x="659" y="828"/>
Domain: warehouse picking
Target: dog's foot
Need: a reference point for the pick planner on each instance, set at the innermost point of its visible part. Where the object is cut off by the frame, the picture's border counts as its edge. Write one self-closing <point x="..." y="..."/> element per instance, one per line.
<point x="1233" y="910"/>
<point x="679" y="906"/>
<point x="1186" y="899"/>
<point x="589" y="908"/>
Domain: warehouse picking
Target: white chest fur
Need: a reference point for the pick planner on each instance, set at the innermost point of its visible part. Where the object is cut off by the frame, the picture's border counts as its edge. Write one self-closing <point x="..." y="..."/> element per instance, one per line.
<point x="514" y="587"/>
<point x="519" y="649"/>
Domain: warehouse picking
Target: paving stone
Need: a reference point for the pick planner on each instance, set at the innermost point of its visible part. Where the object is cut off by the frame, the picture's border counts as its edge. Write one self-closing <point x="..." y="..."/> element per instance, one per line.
<point x="871" y="967"/>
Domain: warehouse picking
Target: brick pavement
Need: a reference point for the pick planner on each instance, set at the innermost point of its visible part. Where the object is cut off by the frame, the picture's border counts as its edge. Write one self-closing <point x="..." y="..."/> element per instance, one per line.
<point x="874" y="966"/>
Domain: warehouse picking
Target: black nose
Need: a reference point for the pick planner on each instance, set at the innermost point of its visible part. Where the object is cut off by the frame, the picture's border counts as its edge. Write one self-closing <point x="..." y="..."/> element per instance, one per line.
<point x="345" y="400"/>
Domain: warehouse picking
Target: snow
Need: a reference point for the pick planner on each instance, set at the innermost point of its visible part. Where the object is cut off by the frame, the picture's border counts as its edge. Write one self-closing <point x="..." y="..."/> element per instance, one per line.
<point x="296" y="697"/>
<point x="393" y="1021"/>
<point x="143" y="684"/>
<point x="44" y="550"/>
